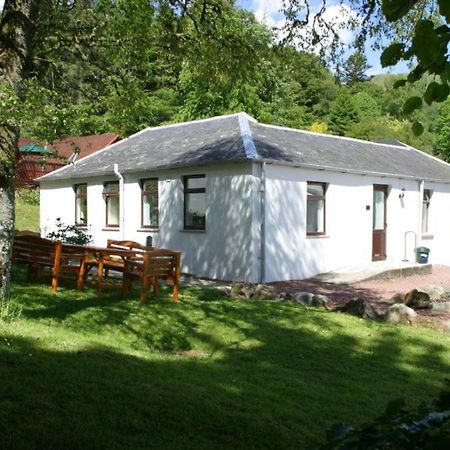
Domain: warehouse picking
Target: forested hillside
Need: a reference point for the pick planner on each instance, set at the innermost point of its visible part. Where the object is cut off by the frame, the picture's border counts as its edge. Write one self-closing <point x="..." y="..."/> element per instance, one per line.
<point x="119" y="66"/>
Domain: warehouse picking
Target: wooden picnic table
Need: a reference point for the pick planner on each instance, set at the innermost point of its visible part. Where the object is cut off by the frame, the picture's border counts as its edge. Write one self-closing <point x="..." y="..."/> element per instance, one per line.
<point x="137" y="262"/>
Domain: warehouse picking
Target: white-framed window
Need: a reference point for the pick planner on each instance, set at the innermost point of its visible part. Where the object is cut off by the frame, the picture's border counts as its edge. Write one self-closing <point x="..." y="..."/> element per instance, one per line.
<point x="149" y="203"/>
<point x="80" y="204"/>
<point x="315" y="208"/>
<point x="112" y="203"/>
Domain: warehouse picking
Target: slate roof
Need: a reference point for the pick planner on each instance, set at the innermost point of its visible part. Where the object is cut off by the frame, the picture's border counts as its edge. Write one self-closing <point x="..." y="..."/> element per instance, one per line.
<point x="238" y="137"/>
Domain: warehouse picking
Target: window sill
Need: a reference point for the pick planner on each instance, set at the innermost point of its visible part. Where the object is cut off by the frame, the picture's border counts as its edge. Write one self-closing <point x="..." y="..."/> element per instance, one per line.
<point x="148" y="230"/>
<point x="317" y="236"/>
<point x="427" y="236"/>
<point x="192" y="231"/>
<point x="111" y="229"/>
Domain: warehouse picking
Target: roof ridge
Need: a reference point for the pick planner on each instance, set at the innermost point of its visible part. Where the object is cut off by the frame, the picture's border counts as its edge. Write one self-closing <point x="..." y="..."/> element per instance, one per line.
<point x="330" y="135"/>
<point x="247" y="137"/>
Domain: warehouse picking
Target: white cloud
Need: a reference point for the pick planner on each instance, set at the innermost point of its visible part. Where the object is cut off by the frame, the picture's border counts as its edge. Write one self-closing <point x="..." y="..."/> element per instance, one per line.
<point x="2" y="2"/>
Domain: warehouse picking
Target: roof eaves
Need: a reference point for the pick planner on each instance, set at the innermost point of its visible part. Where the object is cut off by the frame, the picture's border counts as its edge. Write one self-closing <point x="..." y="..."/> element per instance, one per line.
<point x="355" y="172"/>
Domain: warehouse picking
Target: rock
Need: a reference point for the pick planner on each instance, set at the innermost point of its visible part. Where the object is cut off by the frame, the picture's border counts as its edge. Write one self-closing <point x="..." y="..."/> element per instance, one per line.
<point x="398" y="298"/>
<point x="248" y="290"/>
<point x="400" y="313"/>
<point x="285" y="296"/>
<point x="236" y="290"/>
<point x="417" y="299"/>
<point x="360" y="308"/>
<point x="320" y="301"/>
<point x="303" y="298"/>
<point x="440" y="306"/>
<point x="436" y="293"/>
<point x="263" y="292"/>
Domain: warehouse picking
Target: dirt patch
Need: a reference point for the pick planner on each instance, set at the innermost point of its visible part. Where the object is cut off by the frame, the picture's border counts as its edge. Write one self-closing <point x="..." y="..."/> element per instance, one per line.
<point x="377" y="292"/>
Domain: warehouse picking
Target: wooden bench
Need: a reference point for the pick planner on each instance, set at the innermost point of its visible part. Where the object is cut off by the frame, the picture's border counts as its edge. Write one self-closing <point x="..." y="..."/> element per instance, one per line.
<point x="155" y="265"/>
<point x="35" y="252"/>
<point x="44" y="256"/>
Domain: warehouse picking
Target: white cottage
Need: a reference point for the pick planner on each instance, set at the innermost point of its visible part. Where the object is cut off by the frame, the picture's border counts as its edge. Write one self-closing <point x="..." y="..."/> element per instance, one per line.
<point x="248" y="201"/>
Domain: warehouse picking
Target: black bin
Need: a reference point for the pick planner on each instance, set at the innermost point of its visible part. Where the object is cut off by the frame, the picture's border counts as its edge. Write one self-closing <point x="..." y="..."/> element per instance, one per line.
<point x="149" y="242"/>
<point x="422" y="255"/>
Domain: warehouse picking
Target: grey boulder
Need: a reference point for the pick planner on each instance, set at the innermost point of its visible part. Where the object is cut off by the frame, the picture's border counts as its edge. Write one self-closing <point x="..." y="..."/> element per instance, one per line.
<point x="400" y="313"/>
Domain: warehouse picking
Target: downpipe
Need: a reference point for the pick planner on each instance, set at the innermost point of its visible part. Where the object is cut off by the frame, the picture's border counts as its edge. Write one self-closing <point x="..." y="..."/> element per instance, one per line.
<point x="262" y="206"/>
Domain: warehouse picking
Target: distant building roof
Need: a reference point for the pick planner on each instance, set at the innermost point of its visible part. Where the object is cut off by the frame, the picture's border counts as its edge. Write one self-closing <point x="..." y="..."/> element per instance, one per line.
<point x="239" y="137"/>
<point x="33" y="149"/>
<point x="85" y="145"/>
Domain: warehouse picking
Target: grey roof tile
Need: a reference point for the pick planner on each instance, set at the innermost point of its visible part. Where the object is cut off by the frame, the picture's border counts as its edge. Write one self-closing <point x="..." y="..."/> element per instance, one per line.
<point x="222" y="139"/>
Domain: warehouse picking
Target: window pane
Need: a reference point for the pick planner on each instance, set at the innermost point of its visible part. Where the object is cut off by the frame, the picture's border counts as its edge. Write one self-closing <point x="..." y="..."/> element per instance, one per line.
<point x="196" y="183"/>
<point x="111" y="188"/>
<point x="81" y="210"/>
<point x="195" y="210"/>
<point x="112" y="210"/>
<point x="150" y="210"/>
<point x="81" y="189"/>
<point x="315" y="216"/>
<point x="315" y="189"/>
<point x="150" y="185"/>
<point x="378" y="215"/>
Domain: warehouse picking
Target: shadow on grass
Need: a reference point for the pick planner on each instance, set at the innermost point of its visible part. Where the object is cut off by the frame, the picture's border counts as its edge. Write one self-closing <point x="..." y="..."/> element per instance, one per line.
<point x="205" y="373"/>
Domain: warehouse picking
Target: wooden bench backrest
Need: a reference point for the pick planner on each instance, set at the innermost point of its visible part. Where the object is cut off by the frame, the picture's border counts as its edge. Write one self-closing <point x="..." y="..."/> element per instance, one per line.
<point x="126" y="245"/>
<point x="162" y="263"/>
<point x="33" y="249"/>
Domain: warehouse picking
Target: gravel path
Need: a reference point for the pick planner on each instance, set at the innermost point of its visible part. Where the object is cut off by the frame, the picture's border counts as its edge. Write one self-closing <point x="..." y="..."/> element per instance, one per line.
<point x="376" y="292"/>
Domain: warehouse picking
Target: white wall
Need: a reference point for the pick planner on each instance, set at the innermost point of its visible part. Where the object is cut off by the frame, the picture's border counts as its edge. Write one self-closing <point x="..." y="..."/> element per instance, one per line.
<point x="223" y="251"/>
<point x="290" y="254"/>
<point x="229" y="248"/>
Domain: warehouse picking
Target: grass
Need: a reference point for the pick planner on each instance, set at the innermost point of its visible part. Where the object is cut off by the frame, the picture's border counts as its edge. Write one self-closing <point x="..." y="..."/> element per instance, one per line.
<point x="81" y="371"/>
<point x="27" y="216"/>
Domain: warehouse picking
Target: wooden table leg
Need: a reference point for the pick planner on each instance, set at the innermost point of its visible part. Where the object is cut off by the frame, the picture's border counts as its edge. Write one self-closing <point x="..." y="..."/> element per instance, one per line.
<point x="81" y="275"/>
<point x="100" y="274"/>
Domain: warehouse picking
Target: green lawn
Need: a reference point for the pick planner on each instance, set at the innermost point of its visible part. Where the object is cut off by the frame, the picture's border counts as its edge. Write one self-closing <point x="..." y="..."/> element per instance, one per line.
<point x="27" y="216"/>
<point x="81" y="371"/>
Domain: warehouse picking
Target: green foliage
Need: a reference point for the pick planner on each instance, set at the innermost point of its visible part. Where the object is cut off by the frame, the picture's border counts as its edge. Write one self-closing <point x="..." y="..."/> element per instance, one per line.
<point x="28" y="195"/>
<point x="342" y="114"/>
<point x="442" y="132"/>
<point x="426" y="427"/>
<point x="355" y="68"/>
<point x="69" y="234"/>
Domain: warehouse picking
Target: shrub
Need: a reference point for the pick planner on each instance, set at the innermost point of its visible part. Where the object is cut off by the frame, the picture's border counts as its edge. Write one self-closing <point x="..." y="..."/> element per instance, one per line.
<point x="28" y="195"/>
<point x="427" y="427"/>
<point x="69" y="234"/>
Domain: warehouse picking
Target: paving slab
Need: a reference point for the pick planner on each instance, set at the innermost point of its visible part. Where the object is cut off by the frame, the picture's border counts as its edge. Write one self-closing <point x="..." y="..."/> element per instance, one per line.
<point x="378" y="270"/>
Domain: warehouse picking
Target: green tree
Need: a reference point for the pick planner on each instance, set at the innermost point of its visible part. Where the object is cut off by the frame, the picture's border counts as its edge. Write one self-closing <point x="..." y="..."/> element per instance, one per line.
<point x="223" y="64"/>
<point x="442" y="132"/>
<point x="342" y="114"/>
<point x="16" y="35"/>
<point x="354" y="69"/>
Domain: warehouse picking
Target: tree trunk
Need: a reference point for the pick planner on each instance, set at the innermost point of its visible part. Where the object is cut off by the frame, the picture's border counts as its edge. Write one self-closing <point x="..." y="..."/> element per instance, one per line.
<point x="16" y="37"/>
